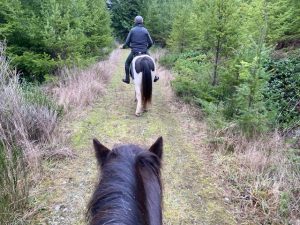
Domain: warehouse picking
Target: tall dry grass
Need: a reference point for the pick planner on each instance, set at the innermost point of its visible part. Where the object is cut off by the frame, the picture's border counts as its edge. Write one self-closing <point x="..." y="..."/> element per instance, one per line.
<point x="78" y="88"/>
<point x="30" y="130"/>
<point x="24" y="122"/>
<point x="24" y="128"/>
<point x="165" y="75"/>
<point x="261" y="176"/>
<point x="74" y="91"/>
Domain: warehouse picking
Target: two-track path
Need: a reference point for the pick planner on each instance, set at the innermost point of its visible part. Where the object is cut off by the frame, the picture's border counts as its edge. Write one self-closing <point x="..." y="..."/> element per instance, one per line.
<point x="191" y="195"/>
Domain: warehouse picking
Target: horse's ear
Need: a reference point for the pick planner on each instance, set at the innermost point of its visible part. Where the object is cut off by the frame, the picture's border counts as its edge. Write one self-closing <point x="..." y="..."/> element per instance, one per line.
<point x="157" y="147"/>
<point x="101" y="151"/>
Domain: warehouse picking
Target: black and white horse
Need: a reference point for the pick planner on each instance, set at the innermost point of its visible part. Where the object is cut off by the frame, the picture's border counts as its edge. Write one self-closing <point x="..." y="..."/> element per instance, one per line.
<point x="142" y="69"/>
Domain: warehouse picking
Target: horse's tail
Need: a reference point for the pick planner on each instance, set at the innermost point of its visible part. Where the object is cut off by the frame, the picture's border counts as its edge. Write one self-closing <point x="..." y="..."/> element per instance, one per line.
<point x="146" y="82"/>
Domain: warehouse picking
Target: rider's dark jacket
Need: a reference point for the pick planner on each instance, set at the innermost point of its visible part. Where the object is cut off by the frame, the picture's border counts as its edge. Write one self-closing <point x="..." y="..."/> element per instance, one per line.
<point x="138" y="39"/>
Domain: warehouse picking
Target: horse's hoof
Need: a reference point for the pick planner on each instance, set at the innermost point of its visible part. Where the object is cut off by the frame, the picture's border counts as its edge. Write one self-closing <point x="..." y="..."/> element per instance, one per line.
<point x="138" y="114"/>
<point x="146" y="110"/>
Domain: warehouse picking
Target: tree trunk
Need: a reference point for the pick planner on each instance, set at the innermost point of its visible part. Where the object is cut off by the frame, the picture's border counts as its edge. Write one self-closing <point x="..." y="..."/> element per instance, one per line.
<point x="215" y="73"/>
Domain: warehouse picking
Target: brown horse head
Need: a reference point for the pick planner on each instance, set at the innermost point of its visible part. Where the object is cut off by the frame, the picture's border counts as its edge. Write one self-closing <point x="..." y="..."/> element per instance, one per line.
<point x="129" y="190"/>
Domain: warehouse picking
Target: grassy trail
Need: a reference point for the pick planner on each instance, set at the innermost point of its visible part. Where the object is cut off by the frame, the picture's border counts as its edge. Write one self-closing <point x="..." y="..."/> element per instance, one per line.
<point x="190" y="193"/>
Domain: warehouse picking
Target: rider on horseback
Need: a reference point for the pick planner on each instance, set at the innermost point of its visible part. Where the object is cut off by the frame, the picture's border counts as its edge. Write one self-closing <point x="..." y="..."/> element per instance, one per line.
<point x="139" y="41"/>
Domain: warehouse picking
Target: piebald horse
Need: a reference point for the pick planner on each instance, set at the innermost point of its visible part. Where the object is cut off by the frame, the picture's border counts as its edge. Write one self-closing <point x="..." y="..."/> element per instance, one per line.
<point x="142" y="70"/>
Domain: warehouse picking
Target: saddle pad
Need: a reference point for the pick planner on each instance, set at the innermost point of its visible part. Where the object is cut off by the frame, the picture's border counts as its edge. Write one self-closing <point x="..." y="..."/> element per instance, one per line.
<point x="138" y="67"/>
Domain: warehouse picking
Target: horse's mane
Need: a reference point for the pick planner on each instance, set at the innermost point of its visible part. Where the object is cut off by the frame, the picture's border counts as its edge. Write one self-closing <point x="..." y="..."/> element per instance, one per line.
<point x="128" y="189"/>
<point x="148" y="173"/>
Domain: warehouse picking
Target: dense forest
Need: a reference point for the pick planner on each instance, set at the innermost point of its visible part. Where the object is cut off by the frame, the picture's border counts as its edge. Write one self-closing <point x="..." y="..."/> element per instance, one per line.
<point x="237" y="60"/>
<point x="231" y="59"/>
<point x="43" y="36"/>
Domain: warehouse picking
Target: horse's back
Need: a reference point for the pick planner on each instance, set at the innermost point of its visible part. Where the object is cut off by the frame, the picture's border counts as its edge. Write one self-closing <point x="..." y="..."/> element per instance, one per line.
<point x="146" y="59"/>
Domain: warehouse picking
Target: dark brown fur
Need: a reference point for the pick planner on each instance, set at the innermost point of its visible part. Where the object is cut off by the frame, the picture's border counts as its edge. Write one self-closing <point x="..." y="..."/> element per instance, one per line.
<point x="129" y="191"/>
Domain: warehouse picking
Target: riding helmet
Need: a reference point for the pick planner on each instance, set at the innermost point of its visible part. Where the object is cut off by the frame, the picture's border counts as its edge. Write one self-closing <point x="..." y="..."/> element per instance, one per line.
<point x="138" y="19"/>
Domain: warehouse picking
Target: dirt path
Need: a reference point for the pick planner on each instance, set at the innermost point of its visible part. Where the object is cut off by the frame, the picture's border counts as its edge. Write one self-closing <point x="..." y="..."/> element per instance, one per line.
<point x="190" y="194"/>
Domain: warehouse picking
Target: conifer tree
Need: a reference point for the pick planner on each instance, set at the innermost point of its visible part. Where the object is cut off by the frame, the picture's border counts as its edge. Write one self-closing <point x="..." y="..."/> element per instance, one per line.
<point x="97" y="27"/>
<point x="123" y="14"/>
<point x="43" y="35"/>
<point x="184" y="34"/>
<point x="159" y="19"/>
<point x="219" y="29"/>
<point x="284" y="20"/>
<point x="246" y="101"/>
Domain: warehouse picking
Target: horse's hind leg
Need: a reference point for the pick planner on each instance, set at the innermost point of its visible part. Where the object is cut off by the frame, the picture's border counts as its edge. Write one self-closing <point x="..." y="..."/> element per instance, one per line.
<point x="139" y="108"/>
<point x="135" y="99"/>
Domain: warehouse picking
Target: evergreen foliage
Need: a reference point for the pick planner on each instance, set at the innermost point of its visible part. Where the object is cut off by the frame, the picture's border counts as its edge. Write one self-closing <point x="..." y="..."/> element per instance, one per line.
<point x="239" y="61"/>
<point x="158" y="17"/>
<point x="233" y="41"/>
<point x="184" y="32"/>
<point x="283" y="91"/>
<point x="123" y="14"/>
<point x="285" y="17"/>
<point x="43" y="36"/>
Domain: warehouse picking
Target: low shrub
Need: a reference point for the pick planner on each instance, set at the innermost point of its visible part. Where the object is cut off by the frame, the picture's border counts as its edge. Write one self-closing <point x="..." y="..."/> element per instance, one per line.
<point x="34" y="66"/>
<point x="168" y="60"/>
<point x="283" y="91"/>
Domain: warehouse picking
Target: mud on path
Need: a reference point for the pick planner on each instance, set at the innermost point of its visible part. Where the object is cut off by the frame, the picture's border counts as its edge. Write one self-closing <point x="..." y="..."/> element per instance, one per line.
<point x="191" y="195"/>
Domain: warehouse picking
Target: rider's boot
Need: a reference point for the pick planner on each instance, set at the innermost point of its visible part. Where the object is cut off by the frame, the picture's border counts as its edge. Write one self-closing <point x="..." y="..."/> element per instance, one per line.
<point x="127" y="79"/>
<point x="156" y="78"/>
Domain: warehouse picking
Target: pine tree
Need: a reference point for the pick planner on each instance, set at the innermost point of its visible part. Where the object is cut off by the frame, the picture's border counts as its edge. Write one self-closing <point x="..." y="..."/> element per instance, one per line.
<point x="123" y="14"/>
<point x="246" y="103"/>
<point x="97" y="27"/>
<point x="284" y="20"/>
<point x="43" y="35"/>
<point x="159" y="19"/>
<point x="184" y="35"/>
<point x="11" y="17"/>
<point x="219" y="26"/>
